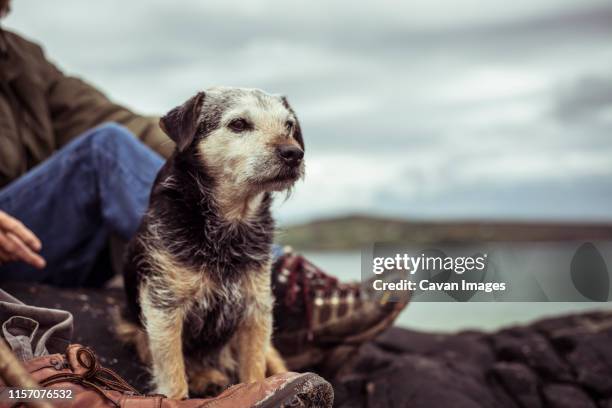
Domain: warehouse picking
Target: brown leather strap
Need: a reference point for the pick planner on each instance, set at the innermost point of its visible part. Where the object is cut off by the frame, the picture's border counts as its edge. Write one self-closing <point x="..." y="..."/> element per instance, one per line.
<point x="89" y="373"/>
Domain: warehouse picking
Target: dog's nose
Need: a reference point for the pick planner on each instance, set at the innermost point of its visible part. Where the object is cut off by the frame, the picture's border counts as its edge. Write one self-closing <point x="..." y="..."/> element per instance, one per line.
<point x="291" y="155"/>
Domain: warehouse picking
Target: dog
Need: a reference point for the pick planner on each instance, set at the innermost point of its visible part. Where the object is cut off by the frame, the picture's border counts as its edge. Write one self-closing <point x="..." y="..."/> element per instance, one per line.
<point x="197" y="272"/>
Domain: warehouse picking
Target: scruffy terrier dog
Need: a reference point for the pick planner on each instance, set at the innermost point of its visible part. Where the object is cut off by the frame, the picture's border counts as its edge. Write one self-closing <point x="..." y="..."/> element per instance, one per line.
<point x="197" y="273"/>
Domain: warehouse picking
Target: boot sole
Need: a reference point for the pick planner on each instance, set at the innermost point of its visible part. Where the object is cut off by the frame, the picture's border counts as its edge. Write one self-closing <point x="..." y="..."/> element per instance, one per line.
<point x="306" y="391"/>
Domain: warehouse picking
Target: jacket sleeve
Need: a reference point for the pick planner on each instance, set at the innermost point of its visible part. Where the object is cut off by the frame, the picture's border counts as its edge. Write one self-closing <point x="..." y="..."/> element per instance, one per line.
<point x="77" y="106"/>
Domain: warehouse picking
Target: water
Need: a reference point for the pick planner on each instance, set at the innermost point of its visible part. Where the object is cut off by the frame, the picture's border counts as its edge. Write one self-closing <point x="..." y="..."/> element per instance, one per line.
<point x="448" y="317"/>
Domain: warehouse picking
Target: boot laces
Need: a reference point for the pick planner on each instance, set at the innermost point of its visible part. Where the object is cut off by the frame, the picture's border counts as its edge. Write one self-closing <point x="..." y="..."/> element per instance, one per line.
<point x="98" y="378"/>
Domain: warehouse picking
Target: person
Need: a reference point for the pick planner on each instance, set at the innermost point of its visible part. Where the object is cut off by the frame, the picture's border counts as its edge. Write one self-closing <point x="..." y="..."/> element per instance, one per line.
<point x="76" y="169"/>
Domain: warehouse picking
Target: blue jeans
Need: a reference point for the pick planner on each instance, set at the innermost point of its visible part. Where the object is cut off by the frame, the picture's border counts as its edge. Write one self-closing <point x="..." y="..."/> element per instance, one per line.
<point x="96" y="185"/>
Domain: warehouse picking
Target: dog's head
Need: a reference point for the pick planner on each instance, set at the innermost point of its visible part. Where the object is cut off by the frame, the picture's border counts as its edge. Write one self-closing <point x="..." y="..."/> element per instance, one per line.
<point x="244" y="137"/>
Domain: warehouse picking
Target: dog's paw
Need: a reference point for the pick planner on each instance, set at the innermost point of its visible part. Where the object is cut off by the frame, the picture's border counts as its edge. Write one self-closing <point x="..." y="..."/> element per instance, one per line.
<point x="208" y="382"/>
<point x="175" y="390"/>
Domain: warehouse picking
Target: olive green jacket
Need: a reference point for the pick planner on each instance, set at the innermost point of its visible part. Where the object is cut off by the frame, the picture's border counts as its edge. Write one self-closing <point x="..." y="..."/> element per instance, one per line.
<point x="41" y="109"/>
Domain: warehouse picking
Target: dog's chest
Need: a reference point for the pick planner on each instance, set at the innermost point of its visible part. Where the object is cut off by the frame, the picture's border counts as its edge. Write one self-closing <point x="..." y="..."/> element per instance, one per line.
<point x="213" y="317"/>
<point x="209" y="242"/>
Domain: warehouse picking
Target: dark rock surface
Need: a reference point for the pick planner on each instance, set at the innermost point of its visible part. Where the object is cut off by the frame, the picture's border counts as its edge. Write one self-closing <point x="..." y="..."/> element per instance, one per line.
<point x="562" y="362"/>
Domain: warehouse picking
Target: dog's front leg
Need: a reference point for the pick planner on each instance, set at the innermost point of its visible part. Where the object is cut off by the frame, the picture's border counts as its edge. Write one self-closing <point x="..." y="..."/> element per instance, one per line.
<point x="253" y="342"/>
<point x="274" y="362"/>
<point x="164" y="329"/>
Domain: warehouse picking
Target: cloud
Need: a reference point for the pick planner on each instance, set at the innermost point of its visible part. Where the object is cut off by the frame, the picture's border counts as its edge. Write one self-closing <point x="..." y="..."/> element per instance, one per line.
<point x="408" y="108"/>
<point x="586" y="98"/>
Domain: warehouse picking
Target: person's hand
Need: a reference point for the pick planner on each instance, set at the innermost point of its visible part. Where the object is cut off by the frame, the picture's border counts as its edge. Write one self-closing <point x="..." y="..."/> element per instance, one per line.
<point x="18" y="243"/>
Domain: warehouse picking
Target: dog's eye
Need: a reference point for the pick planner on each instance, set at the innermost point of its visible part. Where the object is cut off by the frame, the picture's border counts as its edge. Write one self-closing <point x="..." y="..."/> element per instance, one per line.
<point x="289" y="125"/>
<point x="239" y="125"/>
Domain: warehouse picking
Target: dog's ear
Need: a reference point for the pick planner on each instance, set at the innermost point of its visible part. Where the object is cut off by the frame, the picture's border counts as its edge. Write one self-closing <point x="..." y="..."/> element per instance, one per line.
<point x="180" y="124"/>
<point x="297" y="130"/>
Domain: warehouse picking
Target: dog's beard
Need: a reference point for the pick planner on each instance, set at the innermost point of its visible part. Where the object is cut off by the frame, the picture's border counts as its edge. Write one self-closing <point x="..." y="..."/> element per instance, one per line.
<point x="277" y="177"/>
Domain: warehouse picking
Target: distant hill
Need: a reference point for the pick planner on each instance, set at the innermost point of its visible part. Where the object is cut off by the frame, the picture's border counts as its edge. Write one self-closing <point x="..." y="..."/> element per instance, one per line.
<point x="355" y="231"/>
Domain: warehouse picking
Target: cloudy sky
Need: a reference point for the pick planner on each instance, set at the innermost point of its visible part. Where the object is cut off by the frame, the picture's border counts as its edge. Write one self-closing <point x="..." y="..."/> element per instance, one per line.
<point x="420" y="109"/>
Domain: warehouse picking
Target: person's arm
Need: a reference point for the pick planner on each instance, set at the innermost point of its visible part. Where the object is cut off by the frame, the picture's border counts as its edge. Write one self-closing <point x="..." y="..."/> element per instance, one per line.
<point x="77" y="106"/>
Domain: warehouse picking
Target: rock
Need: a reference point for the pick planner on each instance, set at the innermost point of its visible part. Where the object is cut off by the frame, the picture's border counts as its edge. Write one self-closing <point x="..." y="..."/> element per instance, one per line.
<point x="524" y="345"/>
<point x="566" y="396"/>
<point x="592" y="362"/>
<point x="520" y="383"/>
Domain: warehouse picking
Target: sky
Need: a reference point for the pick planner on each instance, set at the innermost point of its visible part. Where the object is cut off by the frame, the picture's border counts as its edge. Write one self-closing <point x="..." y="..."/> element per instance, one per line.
<point x="458" y="109"/>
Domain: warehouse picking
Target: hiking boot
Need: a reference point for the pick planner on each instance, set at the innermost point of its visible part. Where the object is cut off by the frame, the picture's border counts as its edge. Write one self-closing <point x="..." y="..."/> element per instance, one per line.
<point x="92" y="385"/>
<point x="319" y="319"/>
